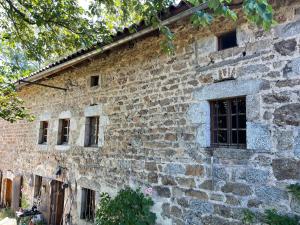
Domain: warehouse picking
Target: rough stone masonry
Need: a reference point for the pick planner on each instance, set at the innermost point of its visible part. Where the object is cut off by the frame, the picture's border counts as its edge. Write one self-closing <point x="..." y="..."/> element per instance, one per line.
<point x="154" y="128"/>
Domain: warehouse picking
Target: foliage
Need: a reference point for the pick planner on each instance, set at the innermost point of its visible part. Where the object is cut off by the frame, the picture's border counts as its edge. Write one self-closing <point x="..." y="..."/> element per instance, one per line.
<point x="294" y="189"/>
<point x="248" y="217"/>
<point x="127" y="208"/>
<point x="35" y="32"/>
<point x="273" y="218"/>
<point x="24" y="203"/>
<point x="6" y="212"/>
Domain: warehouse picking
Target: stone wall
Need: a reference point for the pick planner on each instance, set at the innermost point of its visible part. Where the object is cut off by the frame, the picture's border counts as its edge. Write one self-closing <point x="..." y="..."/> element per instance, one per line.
<point x="154" y="128"/>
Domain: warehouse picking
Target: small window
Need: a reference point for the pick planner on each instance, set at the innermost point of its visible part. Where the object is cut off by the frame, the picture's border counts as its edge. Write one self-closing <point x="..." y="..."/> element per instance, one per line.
<point x="87" y="205"/>
<point x="43" y="138"/>
<point x="227" y="40"/>
<point x="64" y="130"/>
<point x="94" y="81"/>
<point x="93" y="131"/>
<point x="228" y="122"/>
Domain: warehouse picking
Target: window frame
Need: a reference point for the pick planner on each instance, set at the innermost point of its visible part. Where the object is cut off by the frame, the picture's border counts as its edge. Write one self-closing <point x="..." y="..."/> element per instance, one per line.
<point x="93" y="127"/>
<point x="94" y="81"/>
<point x="88" y="204"/>
<point x="229" y="129"/>
<point x="43" y="137"/>
<point x="62" y="134"/>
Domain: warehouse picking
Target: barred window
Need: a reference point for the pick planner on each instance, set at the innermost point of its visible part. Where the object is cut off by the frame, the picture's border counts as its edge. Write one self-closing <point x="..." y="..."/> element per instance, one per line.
<point x="43" y="137"/>
<point x="87" y="205"/>
<point x="228" y="122"/>
<point x="93" y="131"/>
<point x="64" y="126"/>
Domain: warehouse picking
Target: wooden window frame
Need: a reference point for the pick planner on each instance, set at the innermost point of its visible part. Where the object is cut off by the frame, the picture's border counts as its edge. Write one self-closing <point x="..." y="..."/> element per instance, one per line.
<point x="64" y="125"/>
<point x="214" y="116"/>
<point x="93" y="134"/>
<point x="44" y="126"/>
<point x="88" y="205"/>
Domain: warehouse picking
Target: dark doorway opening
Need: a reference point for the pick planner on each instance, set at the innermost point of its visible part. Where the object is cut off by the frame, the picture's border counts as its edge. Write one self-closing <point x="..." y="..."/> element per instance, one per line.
<point x="57" y="203"/>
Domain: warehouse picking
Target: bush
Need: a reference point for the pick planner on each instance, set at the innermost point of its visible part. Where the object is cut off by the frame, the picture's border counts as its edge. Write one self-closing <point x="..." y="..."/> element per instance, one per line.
<point x="294" y="189"/>
<point x="7" y="212"/>
<point x="129" y="207"/>
<point x="273" y="218"/>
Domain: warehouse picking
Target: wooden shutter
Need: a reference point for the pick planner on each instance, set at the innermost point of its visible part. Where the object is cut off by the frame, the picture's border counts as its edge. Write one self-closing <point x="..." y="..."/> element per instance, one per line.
<point x="16" y="196"/>
<point x="1" y="193"/>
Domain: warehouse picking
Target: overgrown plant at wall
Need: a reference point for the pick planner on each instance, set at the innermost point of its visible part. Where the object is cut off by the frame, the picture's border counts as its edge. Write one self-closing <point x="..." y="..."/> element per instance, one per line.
<point x="127" y="208"/>
<point x="272" y="217"/>
<point x="294" y="189"/>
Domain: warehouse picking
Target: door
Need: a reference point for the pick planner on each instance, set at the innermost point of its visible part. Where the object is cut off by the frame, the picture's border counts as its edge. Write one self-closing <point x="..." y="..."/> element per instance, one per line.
<point x="16" y="195"/>
<point x="57" y="203"/>
<point x="7" y="193"/>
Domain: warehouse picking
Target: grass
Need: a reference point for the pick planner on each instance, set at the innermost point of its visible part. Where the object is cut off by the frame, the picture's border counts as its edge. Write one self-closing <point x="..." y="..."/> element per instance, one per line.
<point x="7" y="212"/>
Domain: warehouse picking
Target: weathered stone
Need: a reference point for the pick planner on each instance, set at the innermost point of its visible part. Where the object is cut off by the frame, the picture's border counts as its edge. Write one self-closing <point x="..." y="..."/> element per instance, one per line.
<point x="286" y="168"/>
<point x="217" y="197"/>
<point x="202" y="207"/>
<point x="288" y="115"/>
<point x="288" y="30"/>
<point x="276" y="98"/>
<point x="220" y="173"/>
<point x="152" y="178"/>
<point x="194" y="170"/>
<point x="228" y="89"/>
<point x="163" y="191"/>
<point x="270" y="194"/>
<point x="286" y="47"/>
<point x="285" y="139"/>
<point x="258" y="136"/>
<point x="252" y="107"/>
<point x="176" y="211"/>
<point x="196" y="194"/>
<point x="215" y="220"/>
<point x="254" y="203"/>
<point x="174" y="169"/>
<point x="207" y="185"/>
<point x="292" y="68"/>
<point x="237" y="189"/>
<point x="253" y="69"/>
<point x="255" y="176"/>
<point x="150" y="166"/>
<point x="183" y="202"/>
<point x="168" y="180"/>
<point x="288" y="83"/>
<point x="166" y="209"/>
<point x="186" y="182"/>
<point x="232" y="200"/>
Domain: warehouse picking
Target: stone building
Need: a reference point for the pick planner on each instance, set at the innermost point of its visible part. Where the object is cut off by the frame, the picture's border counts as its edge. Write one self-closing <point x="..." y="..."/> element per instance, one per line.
<point x="213" y="129"/>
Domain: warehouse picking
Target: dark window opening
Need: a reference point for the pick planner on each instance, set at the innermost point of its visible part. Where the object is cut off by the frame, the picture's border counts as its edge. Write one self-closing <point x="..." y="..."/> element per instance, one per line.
<point x="64" y="125"/>
<point x="87" y="205"/>
<point x="93" y="131"/>
<point x="94" y="81"/>
<point x="43" y="132"/>
<point x="227" y="40"/>
<point x="228" y="122"/>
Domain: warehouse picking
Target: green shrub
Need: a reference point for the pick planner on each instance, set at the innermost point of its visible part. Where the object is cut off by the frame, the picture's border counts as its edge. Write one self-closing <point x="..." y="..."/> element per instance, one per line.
<point x="273" y="218"/>
<point x="7" y="212"/>
<point x="248" y="217"/>
<point x="24" y="203"/>
<point x="129" y="207"/>
<point x="294" y="189"/>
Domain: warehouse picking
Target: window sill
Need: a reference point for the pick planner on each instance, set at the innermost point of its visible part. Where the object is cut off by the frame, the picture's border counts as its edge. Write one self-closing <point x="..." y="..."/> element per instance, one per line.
<point x="91" y="148"/>
<point x="42" y="147"/>
<point x="62" y="147"/>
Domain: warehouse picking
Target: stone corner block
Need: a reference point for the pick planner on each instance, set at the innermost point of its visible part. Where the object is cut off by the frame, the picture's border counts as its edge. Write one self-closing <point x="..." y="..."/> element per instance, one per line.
<point x="258" y="136"/>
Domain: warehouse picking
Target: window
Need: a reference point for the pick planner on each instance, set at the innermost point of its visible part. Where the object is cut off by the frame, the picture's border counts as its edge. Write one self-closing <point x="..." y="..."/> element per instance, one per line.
<point x="227" y="40"/>
<point x="43" y="137"/>
<point x="87" y="204"/>
<point x="64" y="130"/>
<point x="228" y="122"/>
<point x="94" y="81"/>
<point x="93" y="131"/>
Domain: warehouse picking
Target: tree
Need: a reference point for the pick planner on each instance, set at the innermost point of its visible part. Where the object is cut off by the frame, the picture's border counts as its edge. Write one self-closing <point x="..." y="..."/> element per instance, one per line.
<point x="34" y="32"/>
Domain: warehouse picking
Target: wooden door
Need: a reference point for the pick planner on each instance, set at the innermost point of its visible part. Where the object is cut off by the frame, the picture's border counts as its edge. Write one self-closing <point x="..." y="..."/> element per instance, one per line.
<point x="57" y="203"/>
<point x="16" y="193"/>
<point x="8" y="193"/>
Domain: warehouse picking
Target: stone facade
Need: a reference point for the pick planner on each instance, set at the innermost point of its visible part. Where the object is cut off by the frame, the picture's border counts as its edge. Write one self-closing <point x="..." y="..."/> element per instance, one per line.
<point x="155" y="124"/>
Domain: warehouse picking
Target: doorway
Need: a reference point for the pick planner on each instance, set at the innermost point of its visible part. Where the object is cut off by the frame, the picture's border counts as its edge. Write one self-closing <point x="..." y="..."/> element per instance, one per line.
<point x="7" y="193"/>
<point x="57" y="203"/>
